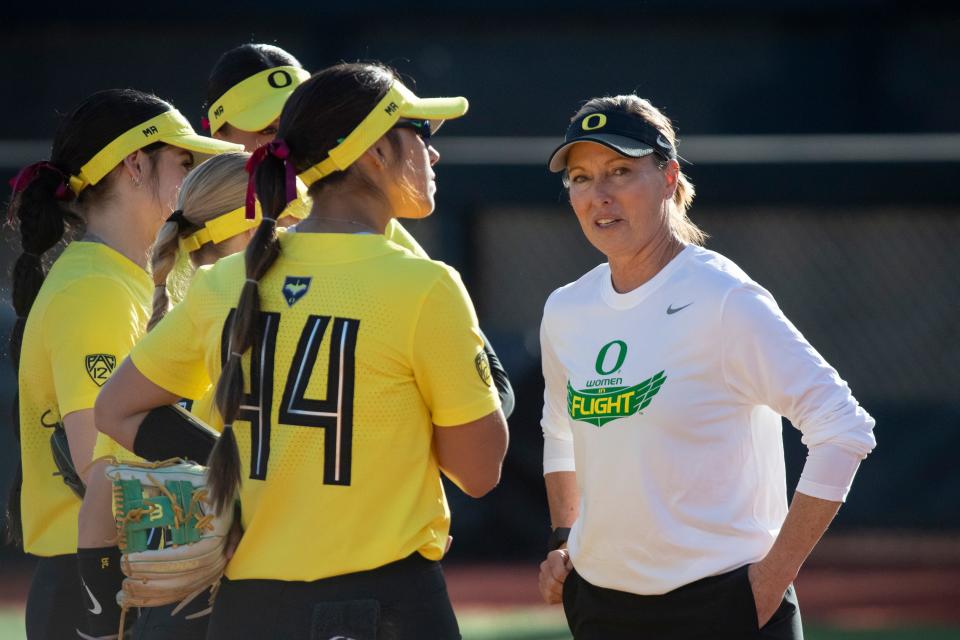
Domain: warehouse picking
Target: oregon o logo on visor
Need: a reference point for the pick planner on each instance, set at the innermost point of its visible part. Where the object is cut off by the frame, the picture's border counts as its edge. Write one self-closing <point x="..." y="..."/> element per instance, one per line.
<point x="593" y="121"/>
<point x="279" y="79"/>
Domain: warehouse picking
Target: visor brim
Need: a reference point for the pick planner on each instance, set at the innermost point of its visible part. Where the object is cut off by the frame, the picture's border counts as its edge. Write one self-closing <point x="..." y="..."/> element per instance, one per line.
<point x="621" y="144"/>
<point x="436" y="110"/>
<point x="201" y="145"/>
<point x="259" y="116"/>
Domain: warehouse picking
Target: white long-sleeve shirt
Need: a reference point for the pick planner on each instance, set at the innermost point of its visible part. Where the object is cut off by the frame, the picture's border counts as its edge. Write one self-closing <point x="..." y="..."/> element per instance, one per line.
<point x="666" y="401"/>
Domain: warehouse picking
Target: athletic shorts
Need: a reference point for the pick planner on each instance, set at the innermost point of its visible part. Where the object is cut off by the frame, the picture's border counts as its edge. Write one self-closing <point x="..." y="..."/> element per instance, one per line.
<point x="404" y="600"/>
<point x="715" y="608"/>
<point x="54" y="605"/>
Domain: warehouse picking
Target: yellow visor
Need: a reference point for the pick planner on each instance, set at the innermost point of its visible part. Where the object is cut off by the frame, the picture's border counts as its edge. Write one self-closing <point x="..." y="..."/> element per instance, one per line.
<point x="169" y="127"/>
<point x="399" y="102"/>
<point x="254" y="103"/>
<point x="221" y="228"/>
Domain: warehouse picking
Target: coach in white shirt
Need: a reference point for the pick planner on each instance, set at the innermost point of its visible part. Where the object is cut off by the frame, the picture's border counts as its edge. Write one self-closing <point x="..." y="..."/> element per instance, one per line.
<point x="667" y="370"/>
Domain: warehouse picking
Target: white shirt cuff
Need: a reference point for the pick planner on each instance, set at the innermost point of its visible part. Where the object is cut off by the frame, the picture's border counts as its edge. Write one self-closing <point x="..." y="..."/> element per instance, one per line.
<point x="828" y="472"/>
<point x="558" y="455"/>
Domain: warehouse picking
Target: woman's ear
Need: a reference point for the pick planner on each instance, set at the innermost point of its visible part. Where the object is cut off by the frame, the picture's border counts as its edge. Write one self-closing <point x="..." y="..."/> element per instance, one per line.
<point x="133" y="167"/>
<point x="378" y="154"/>
<point x="671" y="174"/>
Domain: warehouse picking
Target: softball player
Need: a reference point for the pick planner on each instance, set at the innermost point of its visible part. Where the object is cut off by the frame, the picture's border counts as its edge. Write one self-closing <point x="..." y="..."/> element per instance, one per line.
<point x="116" y="163"/>
<point x="667" y="371"/>
<point x="246" y="91"/>
<point x="209" y="224"/>
<point x="352" y="373"/>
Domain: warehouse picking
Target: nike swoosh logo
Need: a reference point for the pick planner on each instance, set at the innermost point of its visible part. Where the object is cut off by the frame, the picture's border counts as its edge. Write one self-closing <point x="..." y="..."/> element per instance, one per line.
<point x="671" y="310"/>
<point x="663" y="142"/>
<point x="97" y="609"/>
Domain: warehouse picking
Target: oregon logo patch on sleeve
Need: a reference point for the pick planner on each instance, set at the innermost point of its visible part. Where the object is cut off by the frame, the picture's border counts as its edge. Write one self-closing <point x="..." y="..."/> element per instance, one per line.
<point x="100" y="366"/>
<point x="483" y="368"/>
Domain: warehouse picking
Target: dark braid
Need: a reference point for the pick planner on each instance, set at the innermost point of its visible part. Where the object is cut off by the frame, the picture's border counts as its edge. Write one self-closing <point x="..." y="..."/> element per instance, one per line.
<point x="259" y="256"/>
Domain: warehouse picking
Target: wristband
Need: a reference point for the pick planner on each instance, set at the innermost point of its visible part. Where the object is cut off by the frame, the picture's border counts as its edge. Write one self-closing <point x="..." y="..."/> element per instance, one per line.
<point x="558" y="537"/>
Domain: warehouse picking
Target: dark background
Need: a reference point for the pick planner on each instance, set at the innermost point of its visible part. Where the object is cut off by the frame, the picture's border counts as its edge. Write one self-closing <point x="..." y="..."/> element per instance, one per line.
<point x="856" y="237"/>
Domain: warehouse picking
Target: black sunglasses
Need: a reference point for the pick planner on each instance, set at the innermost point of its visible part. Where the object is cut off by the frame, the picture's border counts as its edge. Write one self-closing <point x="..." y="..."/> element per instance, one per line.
<point x="420" y="127"/>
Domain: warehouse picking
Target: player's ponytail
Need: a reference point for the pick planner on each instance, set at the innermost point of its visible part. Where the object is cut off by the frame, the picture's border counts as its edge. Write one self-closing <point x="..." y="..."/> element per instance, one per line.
<point x="163" y="258"/>
<point x="270" y="174"/>
<point x="45" y="206"/>
<point x="216" y="187"/>
<point x="40" y="208"/>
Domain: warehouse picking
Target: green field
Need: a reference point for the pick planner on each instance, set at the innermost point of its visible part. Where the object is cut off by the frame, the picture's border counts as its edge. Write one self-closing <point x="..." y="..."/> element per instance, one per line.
<point x="539" y="625"/>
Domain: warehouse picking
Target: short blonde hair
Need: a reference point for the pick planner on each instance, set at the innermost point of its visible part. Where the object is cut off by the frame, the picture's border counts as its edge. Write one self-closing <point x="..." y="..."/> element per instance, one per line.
<point x="217" y="186"/>
<point x="680" y="222"/>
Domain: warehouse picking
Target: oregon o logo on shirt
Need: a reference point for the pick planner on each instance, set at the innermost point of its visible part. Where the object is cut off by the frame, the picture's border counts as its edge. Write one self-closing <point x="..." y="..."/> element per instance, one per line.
<point x="602" y="357"/>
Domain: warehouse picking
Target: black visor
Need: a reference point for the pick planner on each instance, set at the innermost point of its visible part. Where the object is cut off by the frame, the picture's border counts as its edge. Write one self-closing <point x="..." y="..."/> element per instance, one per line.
<point x="626" y="134"/>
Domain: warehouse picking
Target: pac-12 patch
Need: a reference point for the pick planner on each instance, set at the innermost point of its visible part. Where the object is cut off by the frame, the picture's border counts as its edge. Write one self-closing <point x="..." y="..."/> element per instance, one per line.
<point x="483" y="368"/>
<point x="294" y="288"/>
<point x="100" y="366"/>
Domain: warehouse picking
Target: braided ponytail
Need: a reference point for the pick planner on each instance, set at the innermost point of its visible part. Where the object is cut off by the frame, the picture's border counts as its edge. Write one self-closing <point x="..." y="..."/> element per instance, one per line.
<point x="224" y="464"/>
<point x="163" y="257"/>
<point x="214" y="188"/>
<point x="40" y="209"/>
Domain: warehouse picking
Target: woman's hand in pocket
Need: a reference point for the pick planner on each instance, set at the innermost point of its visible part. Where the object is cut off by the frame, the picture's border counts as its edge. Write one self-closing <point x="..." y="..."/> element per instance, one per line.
<point x="768" y="591"/>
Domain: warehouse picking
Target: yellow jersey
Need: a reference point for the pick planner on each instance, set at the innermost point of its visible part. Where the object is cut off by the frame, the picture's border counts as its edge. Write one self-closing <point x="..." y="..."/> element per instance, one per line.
<point x="92" y="308"/>
<point x="396" y="233"/>
<point x="363" y="346"/>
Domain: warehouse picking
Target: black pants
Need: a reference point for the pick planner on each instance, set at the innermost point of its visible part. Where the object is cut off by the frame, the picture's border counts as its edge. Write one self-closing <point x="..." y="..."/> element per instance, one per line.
<point x="716" y="608"/>
<point x="159" y="623"/>
<point x="404" y="600"/>
<point x="54" y="604"/>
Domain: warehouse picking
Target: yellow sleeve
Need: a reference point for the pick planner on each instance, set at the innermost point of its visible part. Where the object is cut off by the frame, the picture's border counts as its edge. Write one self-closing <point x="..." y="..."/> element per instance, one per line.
<point x="171" y="355"/>
<point x="449" y="363"/>
<point x="90" y="328"/>
<point x="397" y="234"/>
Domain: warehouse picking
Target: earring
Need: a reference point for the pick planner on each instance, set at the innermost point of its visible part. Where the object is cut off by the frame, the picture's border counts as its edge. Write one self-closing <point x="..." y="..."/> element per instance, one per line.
<point x="137" y="181"/>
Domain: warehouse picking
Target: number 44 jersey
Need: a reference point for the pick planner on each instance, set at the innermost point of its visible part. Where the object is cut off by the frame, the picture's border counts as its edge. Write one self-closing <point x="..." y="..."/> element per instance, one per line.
<point x="361" y="347"/>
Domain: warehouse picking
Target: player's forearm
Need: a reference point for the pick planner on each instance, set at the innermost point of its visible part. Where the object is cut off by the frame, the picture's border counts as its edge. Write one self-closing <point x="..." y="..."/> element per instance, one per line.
<point x="81" y="436"/>
<point x="471" y="455"/>
<point x="563" y="496"/>
<point x="806" y="522"/>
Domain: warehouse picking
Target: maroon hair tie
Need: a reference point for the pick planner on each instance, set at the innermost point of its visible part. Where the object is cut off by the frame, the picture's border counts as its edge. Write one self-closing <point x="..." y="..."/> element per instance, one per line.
<point x="204" y="123"/>
<point x="278" y="149"/>
<point x="29" y="173"/>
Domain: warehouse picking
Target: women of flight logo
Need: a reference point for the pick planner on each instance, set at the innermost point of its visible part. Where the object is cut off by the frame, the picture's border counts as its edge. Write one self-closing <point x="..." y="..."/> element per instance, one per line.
<point x="607" y="399"/>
